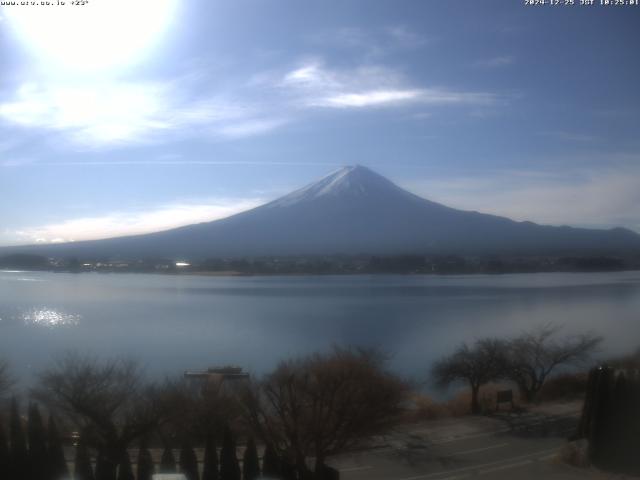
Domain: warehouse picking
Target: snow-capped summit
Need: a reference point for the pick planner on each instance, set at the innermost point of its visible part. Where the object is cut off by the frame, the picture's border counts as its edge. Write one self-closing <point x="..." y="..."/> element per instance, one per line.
<point x="346" y="182"/>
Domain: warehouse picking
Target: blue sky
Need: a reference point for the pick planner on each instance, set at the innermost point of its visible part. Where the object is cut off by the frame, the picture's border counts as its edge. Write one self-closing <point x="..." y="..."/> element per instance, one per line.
<point x="119" y="120"/>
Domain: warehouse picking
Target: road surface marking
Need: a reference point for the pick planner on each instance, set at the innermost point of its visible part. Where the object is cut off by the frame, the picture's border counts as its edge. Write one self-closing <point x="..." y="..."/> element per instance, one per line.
<point x="355" y="469"/>
<point x="551" y="456"/>
<point x="467" y="437"/>
<point x="482" y="465"/>
<point x="475" y="450"/>
<point x="504" y="467"/>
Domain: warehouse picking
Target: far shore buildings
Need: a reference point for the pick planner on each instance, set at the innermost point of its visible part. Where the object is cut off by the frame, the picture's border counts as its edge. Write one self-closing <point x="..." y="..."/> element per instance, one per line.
<point x="215" y="376"/>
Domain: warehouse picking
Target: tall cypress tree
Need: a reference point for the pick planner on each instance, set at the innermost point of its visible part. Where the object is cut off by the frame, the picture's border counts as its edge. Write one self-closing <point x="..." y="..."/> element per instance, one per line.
<point x="188" y="462"/>
<point x="250" y="462"/>
<point x="210" y="468"/>
<point x="229" y="468"/>
<point x="4" y="453"/>
<point x="287" y="470"/>
<point x="146" y="468"/>
<point x="104" y="469"/>
<point x="36" y="435"/>
<point x="125" y="471"/>
<point x="168" y="461"/>
<point x="270" y="462"/>
<point x="56" y="462"/>
<point x="83" y="470"/>
<point x="19" y="460"/>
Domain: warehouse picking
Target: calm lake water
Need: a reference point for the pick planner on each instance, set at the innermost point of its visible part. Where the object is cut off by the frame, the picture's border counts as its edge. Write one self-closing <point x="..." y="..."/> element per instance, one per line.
<point x="172" y="323"/>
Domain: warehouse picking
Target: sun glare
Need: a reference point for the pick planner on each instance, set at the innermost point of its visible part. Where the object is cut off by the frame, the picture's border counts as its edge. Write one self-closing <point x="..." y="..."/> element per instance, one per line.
<point x="99" y="35"/>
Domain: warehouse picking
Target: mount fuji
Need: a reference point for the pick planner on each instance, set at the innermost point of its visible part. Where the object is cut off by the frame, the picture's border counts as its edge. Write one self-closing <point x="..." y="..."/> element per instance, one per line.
<point x="354" y="211"/>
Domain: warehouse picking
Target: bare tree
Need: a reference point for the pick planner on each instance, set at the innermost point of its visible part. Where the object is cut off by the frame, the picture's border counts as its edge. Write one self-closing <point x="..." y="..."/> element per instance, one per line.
<point x="107" y="401"/>
<point x="324" y="404"/>
<point x="477" y="365"/>
<point x="195" y="411"/>
<point x="535" y="354"/>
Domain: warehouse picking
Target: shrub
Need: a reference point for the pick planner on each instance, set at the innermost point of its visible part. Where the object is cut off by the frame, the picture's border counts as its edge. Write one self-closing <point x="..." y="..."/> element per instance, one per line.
<point x="567" y="386"/>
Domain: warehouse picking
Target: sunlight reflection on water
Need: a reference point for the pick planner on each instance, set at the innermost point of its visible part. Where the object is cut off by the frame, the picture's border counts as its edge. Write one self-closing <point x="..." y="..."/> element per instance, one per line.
<point x="50" y="318"/>
<point x="12" y="276"/>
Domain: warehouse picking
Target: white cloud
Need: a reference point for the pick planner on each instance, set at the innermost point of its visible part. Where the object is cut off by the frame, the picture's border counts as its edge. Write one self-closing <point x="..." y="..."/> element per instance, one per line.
<point x="314" y="85"/>
<point x="593" y="198"/>
<point x="107" y="113"/>
<point x="251" y="127"/>
<point x="112" y="114"/>
<point x="370" y="99"/>
<point x="117" y="224"/>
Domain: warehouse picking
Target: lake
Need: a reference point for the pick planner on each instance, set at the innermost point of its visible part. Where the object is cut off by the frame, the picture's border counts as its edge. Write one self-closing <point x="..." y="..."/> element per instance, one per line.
<point x="177" y="322"/>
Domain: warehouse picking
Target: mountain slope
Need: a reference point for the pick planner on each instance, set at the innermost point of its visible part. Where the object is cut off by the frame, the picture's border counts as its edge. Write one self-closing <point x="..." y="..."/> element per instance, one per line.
<point x="351" y="211"/>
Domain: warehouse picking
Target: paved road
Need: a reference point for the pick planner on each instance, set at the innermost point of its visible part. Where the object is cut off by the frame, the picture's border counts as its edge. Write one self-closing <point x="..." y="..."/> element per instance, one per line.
<point x="506" y="447"/>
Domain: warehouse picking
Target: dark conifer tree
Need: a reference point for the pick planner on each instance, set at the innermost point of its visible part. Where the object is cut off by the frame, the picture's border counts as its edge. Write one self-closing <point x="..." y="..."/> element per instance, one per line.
<point x="250" y="463"/>
<point x="4" y="453"/>
<point x="18" y="458"/>
<point x="105" y="468"/>
<point x="36" y="435"/>
<point x="287" y="470"/>
<point x="188" y="462"/>
<point x="168" y="461"/>
<point x="146" y="468"/>
<point x="229" y="467"/>
<point x="83" y="469"/>
<point x="210" y="468"/>
<point x="125" y="471"/>
<point x="270" y="462"/>
<point x="56" y="462"/>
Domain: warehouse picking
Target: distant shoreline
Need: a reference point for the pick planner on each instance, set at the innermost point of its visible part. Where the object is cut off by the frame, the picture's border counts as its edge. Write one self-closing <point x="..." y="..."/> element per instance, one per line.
<point x="408" y="264"/>
<point x="307" y="274"/>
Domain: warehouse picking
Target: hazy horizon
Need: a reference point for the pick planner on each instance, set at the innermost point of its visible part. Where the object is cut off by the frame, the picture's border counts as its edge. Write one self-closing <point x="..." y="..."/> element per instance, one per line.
<point x="141" y="227"/>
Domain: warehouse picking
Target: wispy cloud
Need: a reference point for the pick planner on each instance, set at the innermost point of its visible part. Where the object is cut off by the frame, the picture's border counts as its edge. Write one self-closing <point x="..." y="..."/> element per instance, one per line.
<point x="117" y="224"/>
<point x="111" y="114"/>
<point x="596" y="197"/>
<point x="16" y="162"/>
<point x="371" y="98"/>
<point x="251" y="127"/>
<point x="122" y="113"/>
<point x="369" y="86"/>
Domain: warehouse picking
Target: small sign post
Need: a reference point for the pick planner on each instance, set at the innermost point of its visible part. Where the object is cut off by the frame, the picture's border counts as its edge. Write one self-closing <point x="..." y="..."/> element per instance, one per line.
<point x="504" y="396"/>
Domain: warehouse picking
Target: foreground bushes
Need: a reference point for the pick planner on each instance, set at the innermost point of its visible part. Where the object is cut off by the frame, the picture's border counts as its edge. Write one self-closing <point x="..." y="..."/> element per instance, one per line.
<point x="306" y="410"/>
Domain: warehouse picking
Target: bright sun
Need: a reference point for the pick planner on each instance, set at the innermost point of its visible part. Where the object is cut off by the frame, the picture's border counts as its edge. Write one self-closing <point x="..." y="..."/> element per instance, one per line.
<point x="99" y="35"/>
